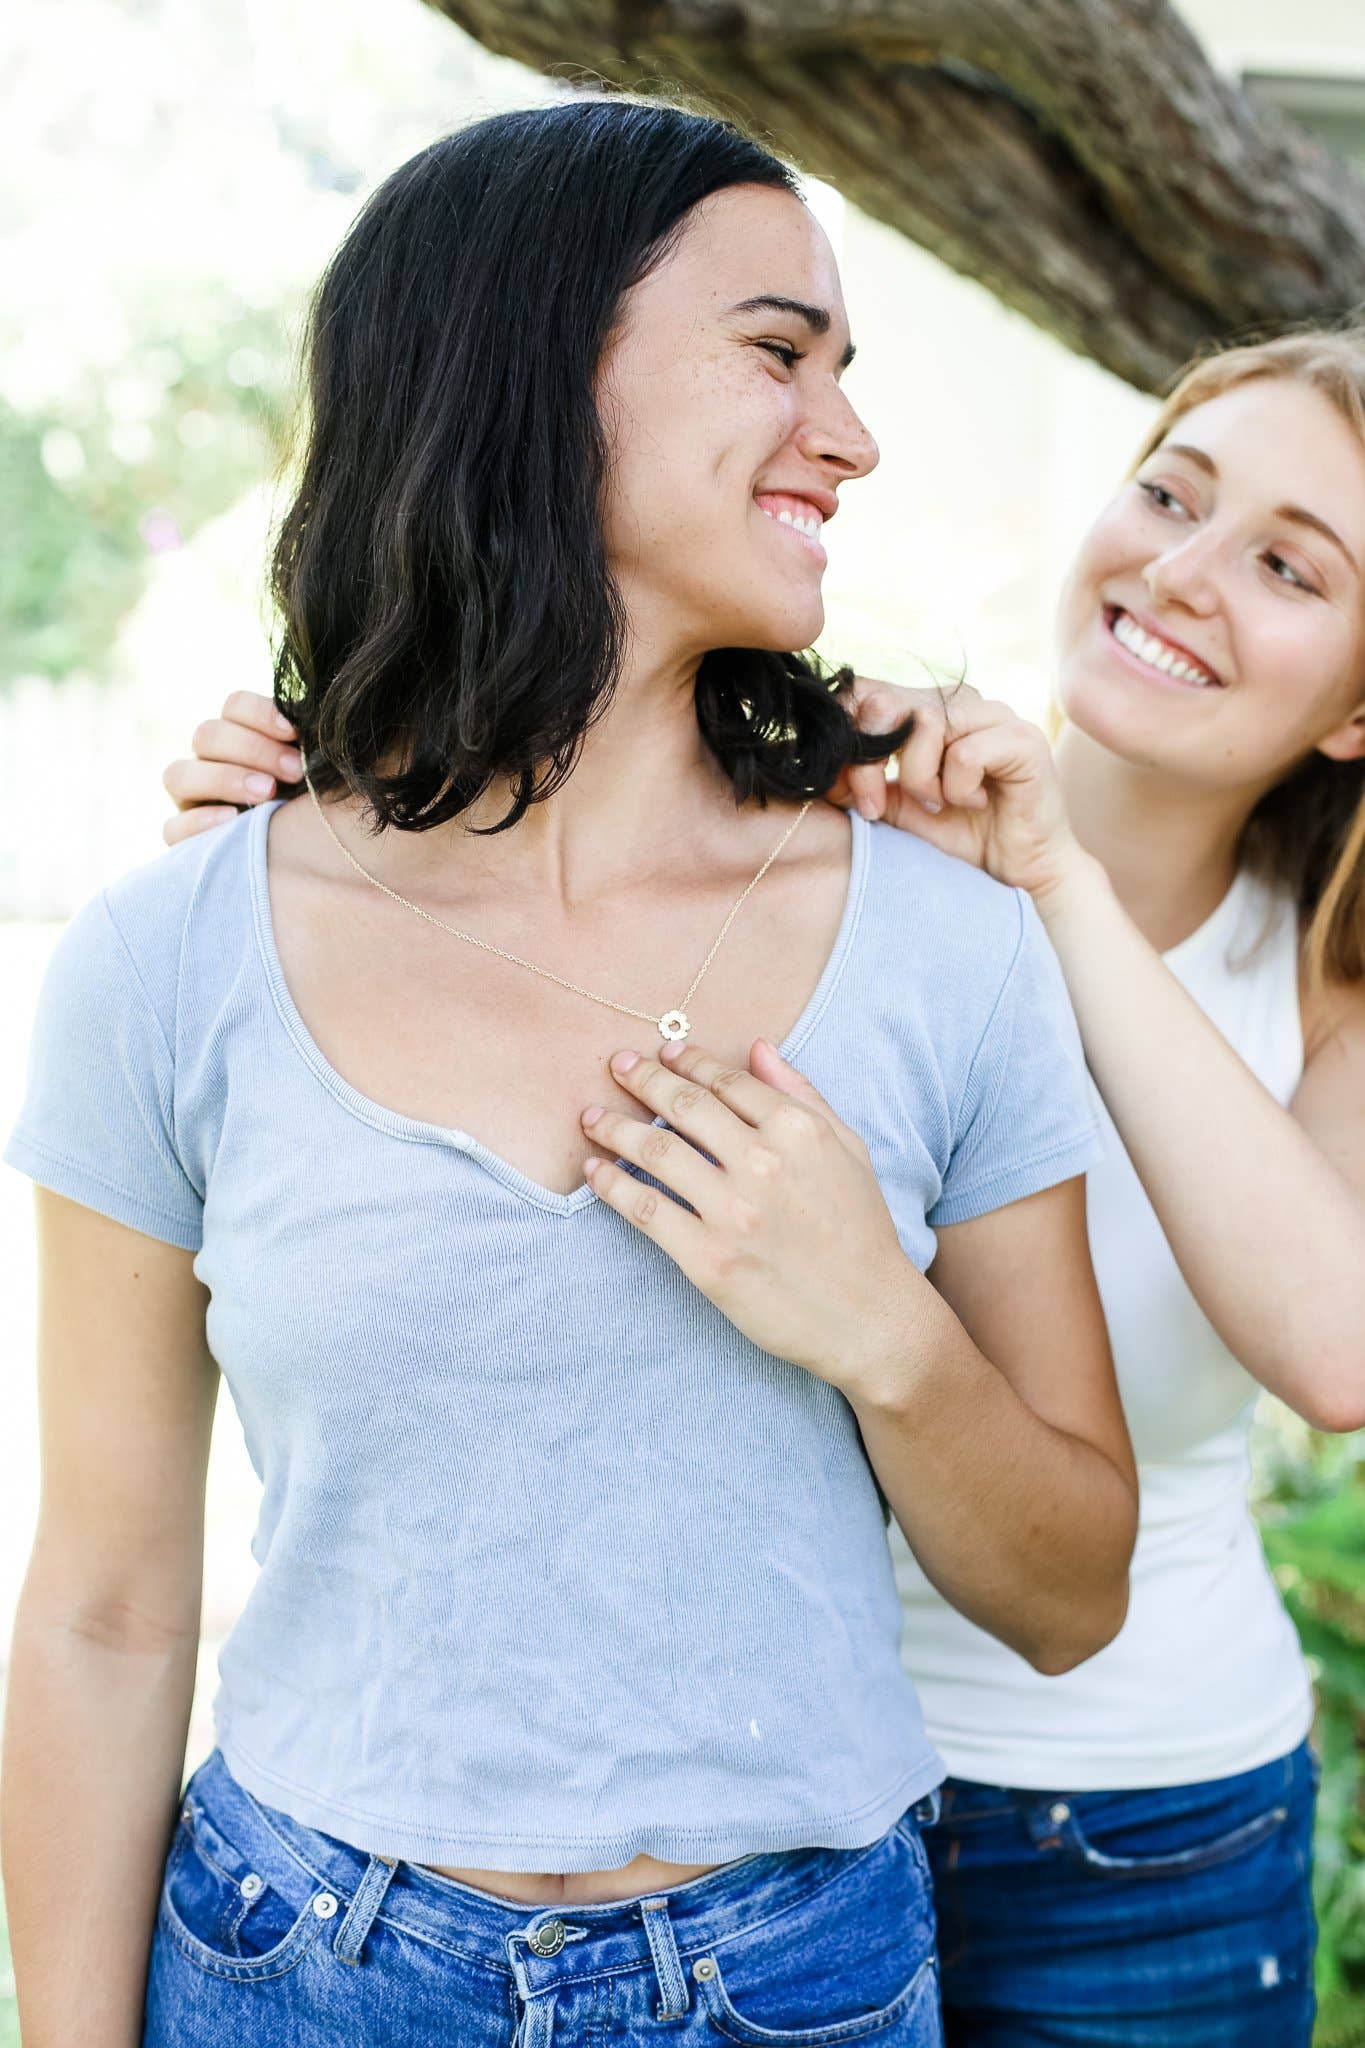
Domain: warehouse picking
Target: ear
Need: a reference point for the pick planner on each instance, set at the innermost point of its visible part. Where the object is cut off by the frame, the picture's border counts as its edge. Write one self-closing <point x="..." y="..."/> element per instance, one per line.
<point x="1347" y="743"/>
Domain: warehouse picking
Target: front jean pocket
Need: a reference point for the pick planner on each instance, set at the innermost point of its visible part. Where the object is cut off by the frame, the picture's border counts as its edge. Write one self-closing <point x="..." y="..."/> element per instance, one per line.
<point x="914" y="2013"/>
<point x="852" y="1961"/>
<point x="219" y="1912"/>
<point x="1203" y="1854"/>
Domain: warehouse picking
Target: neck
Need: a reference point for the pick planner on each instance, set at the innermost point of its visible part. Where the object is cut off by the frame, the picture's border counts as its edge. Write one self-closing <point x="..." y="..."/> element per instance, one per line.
<point x="643" y="786"/>
<point x="1168" y="847"/>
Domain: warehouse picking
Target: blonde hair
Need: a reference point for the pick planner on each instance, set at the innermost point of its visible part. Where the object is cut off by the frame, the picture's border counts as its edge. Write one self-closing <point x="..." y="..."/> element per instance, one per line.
<point x="1308" y="832"/>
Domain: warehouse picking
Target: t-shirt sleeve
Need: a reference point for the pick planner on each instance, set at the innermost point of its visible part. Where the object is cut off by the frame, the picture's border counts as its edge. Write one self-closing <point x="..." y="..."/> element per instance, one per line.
<point x="1026" y="1119"/>
<point x="98" y="1117"/>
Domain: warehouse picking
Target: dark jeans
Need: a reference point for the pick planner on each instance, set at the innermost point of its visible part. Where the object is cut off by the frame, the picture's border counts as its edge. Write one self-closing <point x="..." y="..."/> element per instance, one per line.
<point x="1179" y="1918"/>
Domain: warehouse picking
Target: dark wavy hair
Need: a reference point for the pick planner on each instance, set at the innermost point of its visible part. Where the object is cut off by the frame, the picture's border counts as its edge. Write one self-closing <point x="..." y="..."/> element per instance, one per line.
<point x="441" y="574"/>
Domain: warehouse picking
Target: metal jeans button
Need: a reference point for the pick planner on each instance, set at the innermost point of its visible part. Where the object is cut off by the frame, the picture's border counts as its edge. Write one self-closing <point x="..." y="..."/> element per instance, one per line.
<point x="324" y="1905"/>
<point x="548" y="1939"/>
<point x="252" y="1885"/>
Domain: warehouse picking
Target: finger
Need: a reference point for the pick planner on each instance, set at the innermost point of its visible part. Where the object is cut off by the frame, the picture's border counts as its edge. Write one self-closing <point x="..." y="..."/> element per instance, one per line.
<point x="866" y="786"/>
<point x="737" y="1089"/>
<point x="690" y="1108"/>
<point x="1010" y="751"/>
<point x="675" y="1231"/>
<point x="876" y="707"/>
<point x="202" y="818"/>
<point x="964" y="773"/>
<point x="241" y="746"/>
<point x="920" y="760"/>
<point x="779" y="1074"/>
<point x="670" y="1159"/>
<point x="212" y="782"/>
<point x="249" y="707"/>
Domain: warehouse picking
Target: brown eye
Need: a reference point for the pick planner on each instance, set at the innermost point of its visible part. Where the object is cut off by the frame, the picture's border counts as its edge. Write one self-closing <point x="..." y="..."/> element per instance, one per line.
<point x="1277" y="563"/>
<point x="788" y="356"/>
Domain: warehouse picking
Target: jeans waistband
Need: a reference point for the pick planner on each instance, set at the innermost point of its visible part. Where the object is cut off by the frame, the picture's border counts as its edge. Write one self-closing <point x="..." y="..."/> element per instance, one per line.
<point x="584" y="1940"/>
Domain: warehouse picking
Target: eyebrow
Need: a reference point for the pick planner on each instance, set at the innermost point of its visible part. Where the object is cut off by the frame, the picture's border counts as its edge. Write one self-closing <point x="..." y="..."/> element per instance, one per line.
<point x="1298" y="514"/>
<point x="816" y="317"/>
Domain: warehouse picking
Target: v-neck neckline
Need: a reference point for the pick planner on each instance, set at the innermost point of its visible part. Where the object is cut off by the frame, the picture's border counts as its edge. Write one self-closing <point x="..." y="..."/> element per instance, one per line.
<point x="413" y="1130"/>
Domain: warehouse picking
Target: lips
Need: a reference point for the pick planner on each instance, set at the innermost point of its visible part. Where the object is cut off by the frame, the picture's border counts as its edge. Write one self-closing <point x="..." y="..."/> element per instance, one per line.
<point x="1156" y="653"/>
<point x="797" y="515"/>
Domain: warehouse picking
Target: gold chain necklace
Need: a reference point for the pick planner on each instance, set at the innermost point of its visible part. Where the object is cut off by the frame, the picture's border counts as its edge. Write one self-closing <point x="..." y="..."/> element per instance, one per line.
<point x="673" y="1024"/>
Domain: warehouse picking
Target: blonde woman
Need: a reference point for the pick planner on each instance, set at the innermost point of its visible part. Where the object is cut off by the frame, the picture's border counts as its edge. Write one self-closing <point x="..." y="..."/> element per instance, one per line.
<point x="1123" y="1855"/>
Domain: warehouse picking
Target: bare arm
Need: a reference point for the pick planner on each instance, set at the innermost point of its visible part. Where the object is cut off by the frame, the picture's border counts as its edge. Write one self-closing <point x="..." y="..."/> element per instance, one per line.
<point x="108" y="1625"/>
<point x="998" y="1436"/>
<point x="1264" y="1207"/>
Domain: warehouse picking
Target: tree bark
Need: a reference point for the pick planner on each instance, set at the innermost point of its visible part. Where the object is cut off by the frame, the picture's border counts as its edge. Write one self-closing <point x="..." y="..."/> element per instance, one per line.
<point x="1081" y="159"/>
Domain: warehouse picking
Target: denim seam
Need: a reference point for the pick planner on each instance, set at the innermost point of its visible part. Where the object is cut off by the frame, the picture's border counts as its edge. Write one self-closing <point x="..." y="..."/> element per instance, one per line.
<point x="205" y="1855"/>
<point x="242" y="1969"/>
<point x="819" y="2037"/>
<point x="1191" y="1862"/>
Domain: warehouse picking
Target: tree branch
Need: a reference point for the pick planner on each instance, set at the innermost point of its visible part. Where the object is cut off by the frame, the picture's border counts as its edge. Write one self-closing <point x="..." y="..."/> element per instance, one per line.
<point x="1079" y="158"/>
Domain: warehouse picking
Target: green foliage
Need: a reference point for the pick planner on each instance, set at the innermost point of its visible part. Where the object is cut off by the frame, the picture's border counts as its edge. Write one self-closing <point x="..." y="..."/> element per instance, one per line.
<point x="126" y="466"/>
<point x="1313" y="1522"/>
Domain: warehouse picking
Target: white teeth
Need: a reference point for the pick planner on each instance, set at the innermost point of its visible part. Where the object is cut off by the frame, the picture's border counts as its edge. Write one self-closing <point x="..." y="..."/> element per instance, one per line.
<point x="1156" y="654"/>
<point x="810" y="524"/>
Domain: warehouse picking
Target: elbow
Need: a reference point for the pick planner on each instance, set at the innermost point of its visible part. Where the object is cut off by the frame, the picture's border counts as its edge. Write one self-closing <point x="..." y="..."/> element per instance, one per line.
<point x="1080" y="1635"/>
<point x="1337" y="1406"/>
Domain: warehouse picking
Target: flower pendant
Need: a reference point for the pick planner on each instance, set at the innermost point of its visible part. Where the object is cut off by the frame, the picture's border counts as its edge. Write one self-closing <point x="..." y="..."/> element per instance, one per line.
<point x="673" y="1025"/>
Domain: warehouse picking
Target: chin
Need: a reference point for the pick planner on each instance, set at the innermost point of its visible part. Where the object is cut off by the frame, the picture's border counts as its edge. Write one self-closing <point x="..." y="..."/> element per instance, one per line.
<point x="790" y="630"/>
<point x="1114" y="719"/>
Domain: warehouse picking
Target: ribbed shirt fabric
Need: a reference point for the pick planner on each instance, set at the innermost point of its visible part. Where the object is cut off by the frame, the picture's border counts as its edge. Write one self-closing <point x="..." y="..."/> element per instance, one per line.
<point x="1206" y="1678"/>
<point x="556" y="1567"/>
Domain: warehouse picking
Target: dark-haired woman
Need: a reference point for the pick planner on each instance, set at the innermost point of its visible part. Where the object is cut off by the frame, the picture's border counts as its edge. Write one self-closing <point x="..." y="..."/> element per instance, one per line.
<point x="551" y="1171"/>
<point x="1123" y="1857"/>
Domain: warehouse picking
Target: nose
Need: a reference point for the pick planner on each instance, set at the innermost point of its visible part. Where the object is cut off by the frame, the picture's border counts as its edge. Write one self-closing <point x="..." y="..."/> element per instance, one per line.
<point x="1185" y="575"/>
<point x="833" y="436"/>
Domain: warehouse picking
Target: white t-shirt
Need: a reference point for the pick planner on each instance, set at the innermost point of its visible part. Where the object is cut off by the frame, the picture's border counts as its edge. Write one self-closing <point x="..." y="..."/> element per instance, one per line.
<point x="1206" y="1678"/>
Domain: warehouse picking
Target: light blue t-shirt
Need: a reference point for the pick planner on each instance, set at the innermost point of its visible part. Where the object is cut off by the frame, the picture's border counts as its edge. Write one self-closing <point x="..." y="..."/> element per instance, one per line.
<point x="556" y="1567"/>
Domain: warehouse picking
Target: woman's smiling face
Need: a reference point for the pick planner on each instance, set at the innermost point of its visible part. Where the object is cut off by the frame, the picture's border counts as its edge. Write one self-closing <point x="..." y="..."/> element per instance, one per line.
<point x="1213" y="624"/>
<point x="728" y="431"/>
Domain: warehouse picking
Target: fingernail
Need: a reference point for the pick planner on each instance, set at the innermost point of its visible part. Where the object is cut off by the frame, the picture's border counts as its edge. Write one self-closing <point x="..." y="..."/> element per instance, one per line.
<point x="669" y="1052"/>
<point x="260" y="785"/>
<point x="291" y="763"/>
<point x="930" y="805"/>
<point x="282" y="725"/>
<point x="590" y="1116"/>
<point x="622" y="1062"/>
<point x="867" y="809"/>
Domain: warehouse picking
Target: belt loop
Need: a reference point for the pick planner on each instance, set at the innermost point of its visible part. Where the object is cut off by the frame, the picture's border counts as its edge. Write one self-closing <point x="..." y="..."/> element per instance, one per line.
<point x="667" y="1964"/>
<point x="350" y="1941"/>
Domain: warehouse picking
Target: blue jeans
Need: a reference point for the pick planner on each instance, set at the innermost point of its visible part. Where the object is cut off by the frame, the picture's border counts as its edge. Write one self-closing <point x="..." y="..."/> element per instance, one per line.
<point x="1179" y="1918"/>
<point x="271" y="1935"/>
